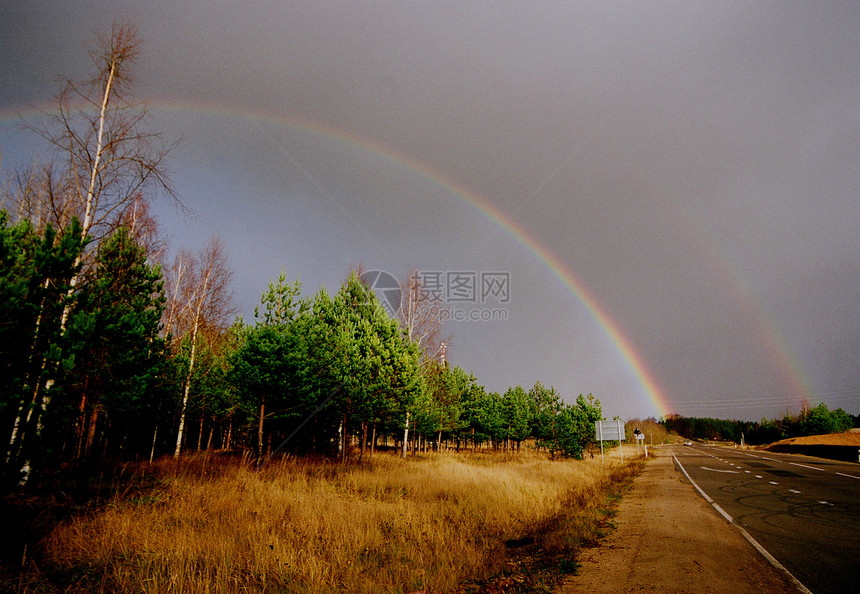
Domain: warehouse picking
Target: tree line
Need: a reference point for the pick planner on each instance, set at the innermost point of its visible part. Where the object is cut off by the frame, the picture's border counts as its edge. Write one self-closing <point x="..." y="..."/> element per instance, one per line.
<point x="117" y="369"/>
<point x="329" y="371"/>
<point x="818" y="420"/>
<point x="110" y="352"/>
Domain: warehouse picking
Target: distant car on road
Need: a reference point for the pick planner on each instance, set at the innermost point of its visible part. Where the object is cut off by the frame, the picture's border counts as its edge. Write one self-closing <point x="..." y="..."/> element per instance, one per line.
<point x="688" y="442"/>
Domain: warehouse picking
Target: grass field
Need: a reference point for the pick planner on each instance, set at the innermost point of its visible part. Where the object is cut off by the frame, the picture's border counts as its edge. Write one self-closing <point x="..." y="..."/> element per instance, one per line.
<point x="436" y="523"/>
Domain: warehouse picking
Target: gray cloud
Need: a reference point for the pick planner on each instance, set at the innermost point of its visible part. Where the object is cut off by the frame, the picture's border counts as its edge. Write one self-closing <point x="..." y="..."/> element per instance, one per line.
<point x="692" y="164"/>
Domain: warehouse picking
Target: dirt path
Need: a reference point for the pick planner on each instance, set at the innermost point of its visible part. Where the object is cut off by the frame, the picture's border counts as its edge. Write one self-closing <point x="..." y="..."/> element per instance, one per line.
<point x="669" y="539"/>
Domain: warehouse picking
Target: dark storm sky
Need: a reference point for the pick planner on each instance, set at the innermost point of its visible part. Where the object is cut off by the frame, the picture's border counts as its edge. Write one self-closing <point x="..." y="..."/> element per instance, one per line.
<point x="693" y="165"/>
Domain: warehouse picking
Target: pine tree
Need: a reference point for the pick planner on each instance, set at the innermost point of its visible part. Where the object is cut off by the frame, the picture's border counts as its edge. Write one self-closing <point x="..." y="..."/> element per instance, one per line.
<point x="35" y="281"/>
<point x="113" y="336"/>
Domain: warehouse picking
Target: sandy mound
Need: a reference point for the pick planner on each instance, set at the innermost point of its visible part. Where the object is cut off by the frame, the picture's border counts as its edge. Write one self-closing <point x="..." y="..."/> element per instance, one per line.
<point x="841" y="439"/>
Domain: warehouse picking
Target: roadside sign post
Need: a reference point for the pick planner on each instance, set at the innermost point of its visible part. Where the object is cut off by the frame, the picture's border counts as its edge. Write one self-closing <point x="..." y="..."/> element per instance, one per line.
<point x="610" y="431"/>
<point x="599" y="432"/>
<point x="639" y="437"/>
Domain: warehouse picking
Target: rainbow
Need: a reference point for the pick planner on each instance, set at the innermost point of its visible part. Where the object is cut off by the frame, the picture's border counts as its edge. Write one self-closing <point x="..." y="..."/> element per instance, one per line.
<point x="762" y="325"/>
<point x="550" y="261"/>
<point x="656" y="395"/>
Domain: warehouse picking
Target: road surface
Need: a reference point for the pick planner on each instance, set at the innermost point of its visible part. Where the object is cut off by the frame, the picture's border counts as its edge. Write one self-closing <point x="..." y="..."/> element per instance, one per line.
<point x="669" y="539"/>
<point x="803" y="511"/>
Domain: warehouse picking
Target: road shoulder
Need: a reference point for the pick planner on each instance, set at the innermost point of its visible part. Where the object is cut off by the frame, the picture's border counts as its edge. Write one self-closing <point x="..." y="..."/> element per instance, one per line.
<point x="669" y="539"/>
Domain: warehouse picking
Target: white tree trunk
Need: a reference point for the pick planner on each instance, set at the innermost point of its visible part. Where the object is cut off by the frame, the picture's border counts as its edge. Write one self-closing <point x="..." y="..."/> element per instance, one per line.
<point x="405" y="435"/>
<point x="187" y="388"/>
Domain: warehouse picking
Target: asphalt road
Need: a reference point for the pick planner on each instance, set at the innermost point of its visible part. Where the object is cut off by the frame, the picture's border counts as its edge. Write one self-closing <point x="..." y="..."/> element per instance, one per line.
<point x="804" y="511"/>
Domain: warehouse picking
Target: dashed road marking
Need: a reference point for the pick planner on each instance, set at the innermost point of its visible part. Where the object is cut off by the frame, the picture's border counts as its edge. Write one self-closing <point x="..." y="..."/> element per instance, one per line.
<point x="745" y="534"/>
<point x="716" y="470"/>
<point x="806" y="466"/>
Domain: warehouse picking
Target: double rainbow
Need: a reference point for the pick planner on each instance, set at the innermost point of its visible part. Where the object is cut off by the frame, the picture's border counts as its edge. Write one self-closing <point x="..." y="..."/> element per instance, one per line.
<point x="625" y="347"/>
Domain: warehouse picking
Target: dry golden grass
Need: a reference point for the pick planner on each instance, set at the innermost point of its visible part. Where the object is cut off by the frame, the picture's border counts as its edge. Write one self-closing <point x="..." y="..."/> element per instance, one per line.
<point x="432" y="523"/>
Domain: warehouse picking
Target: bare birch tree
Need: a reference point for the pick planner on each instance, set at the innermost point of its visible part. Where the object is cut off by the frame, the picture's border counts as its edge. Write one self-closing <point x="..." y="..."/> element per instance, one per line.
<point x="106" y="157"/>
<point x="421" y="315"/>
<point x="199" y="303"/>
<point x="107" y="160"/>
<point x="104" y="161"/>
<point x="143" y="227"/>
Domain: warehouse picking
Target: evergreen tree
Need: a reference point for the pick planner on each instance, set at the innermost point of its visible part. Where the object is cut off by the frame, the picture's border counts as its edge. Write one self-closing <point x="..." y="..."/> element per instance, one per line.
<point x="269" y="367"/>
<point x="17" y="316"/>
<point x="440" y="408"/>
<point x="113" y="338"/>
<point x="545" y="405"/>
<point x="375" y="363"/>
<point x="36" y="282"/>
<point x="342" y="361"/>
<point x="516" y="415"/>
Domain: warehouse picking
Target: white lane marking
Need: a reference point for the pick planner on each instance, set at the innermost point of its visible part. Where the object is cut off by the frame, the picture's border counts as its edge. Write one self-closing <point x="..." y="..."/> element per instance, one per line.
<point x="805" y="466"/>
<point x="715" y="470"/>
<point x="795" y="491"/>
<point x="748" y="471"/>
<point x="745" y="534"/>
<point x="825" y="503"/>
<point x="787" y="462"/>
<point x="759" y="476"/>
<point x="773" y="483"/>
